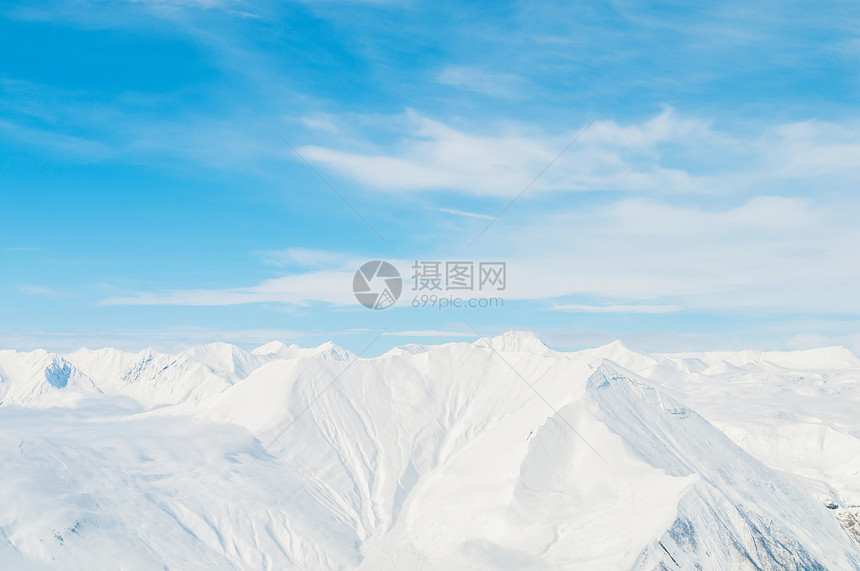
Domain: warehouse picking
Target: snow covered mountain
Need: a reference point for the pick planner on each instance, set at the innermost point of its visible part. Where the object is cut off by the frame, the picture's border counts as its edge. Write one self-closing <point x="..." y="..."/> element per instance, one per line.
<point x="498" y="454"/>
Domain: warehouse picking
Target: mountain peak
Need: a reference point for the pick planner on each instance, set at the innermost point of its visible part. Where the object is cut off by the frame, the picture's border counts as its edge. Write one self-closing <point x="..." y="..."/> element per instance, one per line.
<point x="274" y="348"/>
<point x="216" y="348"/>
<point x="619" y="353"/>
<point x="516" y="342"/>
<point x="280" y="350"/>
<point x="329" y="349"/>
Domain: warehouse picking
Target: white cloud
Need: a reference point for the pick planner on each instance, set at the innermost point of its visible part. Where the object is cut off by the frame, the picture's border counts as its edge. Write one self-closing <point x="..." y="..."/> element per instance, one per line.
<point x="433" y="156"/>
<point x="665" y="154"/>
<point x="767" y="254"/>
<point x="813" y="149"/>
<point x="666" y="127"/>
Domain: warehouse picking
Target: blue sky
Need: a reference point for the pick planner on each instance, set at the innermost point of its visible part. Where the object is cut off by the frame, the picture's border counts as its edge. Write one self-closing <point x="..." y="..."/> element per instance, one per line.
<point x="145" y="200"/>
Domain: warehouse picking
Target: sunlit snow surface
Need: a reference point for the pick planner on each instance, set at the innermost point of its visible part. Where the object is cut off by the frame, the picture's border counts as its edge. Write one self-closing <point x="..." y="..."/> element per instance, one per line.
<point x="500" y="454"/>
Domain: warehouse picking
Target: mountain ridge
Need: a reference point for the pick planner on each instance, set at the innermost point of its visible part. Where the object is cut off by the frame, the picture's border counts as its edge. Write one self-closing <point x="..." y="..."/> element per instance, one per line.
<point x="498" y="453"/>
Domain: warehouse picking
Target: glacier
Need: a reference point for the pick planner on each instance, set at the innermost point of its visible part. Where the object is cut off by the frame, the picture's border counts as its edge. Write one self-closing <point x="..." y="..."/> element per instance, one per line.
<point x="497" y="454"/>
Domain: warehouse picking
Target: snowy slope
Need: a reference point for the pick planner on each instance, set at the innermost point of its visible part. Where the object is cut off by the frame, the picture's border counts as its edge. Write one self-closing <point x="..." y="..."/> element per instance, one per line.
<point x="495" y="454"/>
<point x="739" y="514"/>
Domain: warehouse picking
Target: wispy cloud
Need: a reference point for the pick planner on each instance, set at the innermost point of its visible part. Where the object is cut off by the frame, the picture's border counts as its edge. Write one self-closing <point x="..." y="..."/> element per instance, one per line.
<point x="668" y="153"/>
<point x="130" y="129"/>
<point x="333" y="287"/>
<point x="430" y="333"/>
<point x="618" y="308"/>
<point x="494" y="84"/>
<point x="109" y="14"/>
<point x="310" y="258"/>
<point x="319" y="123"/>
<point x="772" y="254"/>
<point x="168" y="339"/>
<point x="455" y="212"/>
<point x="86" y="149"/>
<point x="42" y="291"/>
